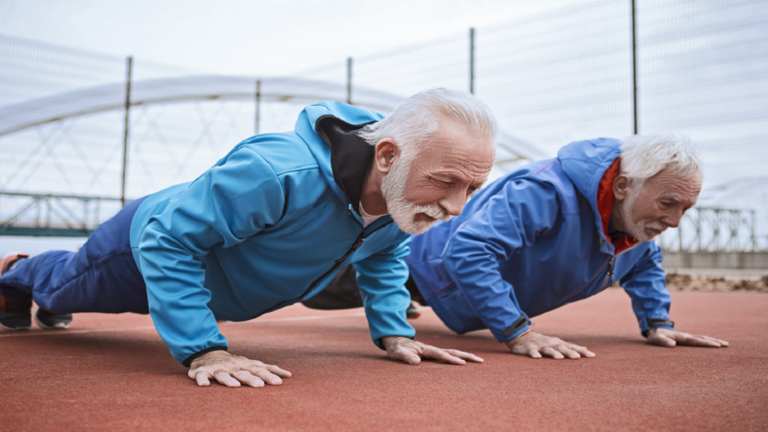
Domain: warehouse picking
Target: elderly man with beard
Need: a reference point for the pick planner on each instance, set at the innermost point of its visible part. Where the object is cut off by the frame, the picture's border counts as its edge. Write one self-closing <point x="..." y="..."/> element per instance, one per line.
<point x="558" y="231"/>
<point x="268" y="226"/>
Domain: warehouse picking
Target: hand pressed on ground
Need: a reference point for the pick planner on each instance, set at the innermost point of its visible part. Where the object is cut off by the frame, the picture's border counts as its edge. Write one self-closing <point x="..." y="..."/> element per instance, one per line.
<point x="231" y="370"/>
<point x="669" y="338"/>
<point x="537" y="345"/>
<point x="411" y="352"/>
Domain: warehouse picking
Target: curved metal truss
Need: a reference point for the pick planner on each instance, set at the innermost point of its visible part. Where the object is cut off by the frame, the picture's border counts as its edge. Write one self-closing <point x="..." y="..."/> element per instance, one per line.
<point x="77" y="214"/>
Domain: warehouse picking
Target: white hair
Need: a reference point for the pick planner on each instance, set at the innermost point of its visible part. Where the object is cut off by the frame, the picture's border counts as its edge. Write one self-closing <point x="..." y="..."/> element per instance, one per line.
<point x="644" y="156"/>
<point x="419" y="117"/>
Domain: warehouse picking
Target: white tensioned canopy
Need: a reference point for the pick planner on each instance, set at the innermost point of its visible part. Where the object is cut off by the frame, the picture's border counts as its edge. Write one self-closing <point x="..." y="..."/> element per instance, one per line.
<point x="20" y="116"/>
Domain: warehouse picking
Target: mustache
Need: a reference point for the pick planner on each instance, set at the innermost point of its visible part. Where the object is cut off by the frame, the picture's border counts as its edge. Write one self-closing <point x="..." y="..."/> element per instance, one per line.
<point x="433" y="211"/>
<point x="658" y="226"/>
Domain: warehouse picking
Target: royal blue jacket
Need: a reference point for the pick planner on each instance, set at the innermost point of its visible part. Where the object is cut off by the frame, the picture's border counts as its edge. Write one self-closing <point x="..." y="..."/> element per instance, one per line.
<point x="267" y="226"/>
<point x="531" y="242"/>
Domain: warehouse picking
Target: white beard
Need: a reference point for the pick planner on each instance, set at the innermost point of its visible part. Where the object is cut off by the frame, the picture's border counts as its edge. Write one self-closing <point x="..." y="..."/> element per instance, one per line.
<point x="402" y="211"/>
<point x="638" y="230"/>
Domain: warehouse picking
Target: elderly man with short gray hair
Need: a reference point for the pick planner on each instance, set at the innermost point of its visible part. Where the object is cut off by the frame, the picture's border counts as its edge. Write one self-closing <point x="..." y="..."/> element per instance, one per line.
<point x="558" y="231"/>
<point x="268" y="226"/>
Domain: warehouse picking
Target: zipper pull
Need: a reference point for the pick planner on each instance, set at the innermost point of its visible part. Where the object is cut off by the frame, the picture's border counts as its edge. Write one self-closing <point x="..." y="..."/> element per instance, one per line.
<point x="610" y="270"/>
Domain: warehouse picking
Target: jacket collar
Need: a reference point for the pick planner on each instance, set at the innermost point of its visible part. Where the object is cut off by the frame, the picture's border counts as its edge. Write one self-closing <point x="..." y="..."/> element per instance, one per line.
<point x="605" y="207"/>
<point x="351" y="156"/>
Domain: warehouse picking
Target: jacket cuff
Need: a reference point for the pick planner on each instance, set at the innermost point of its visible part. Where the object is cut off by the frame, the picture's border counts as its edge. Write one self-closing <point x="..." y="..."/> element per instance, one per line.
<point x="658" y="322"/>
<point x="189" y="359"/>
<point x="515" y="329"/>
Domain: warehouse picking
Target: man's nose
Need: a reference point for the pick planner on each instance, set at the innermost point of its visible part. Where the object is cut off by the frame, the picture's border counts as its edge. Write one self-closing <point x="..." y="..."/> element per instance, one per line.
<point x="673" y="219"/>
<point x="453" y="203"/>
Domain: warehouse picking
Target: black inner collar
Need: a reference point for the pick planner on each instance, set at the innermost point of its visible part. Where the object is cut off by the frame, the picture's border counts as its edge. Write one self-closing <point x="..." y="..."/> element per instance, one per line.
<point x="351" y="156"/>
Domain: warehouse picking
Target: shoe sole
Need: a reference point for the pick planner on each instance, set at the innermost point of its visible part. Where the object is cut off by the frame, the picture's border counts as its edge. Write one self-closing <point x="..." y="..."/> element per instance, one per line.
<point x="14" y="328"/>
<point x="57" y="326"/>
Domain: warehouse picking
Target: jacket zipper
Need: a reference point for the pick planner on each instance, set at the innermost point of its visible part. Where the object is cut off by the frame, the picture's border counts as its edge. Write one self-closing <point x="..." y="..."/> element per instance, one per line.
<point x="355" y="246"/>
<point x="611" y="263"/>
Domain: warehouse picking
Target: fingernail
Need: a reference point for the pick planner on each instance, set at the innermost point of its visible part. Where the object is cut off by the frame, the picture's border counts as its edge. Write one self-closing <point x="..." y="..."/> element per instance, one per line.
<point x="277" y="381"/>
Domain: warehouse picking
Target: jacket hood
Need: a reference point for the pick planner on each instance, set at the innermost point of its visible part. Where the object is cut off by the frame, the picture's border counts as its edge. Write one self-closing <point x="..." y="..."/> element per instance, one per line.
<point x="585" y="163"/>
<point x="329" y="129"/>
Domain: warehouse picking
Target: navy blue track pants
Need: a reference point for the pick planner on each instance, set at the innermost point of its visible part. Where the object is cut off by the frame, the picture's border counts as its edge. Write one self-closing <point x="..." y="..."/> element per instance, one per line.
<point x="101" y="277"/>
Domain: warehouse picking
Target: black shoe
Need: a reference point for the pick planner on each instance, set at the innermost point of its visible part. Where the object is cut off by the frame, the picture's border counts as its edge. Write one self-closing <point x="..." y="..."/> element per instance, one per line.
<point x="412" y="312"/>
<point x="15" y="312"/>
<point x="51" y="321"/>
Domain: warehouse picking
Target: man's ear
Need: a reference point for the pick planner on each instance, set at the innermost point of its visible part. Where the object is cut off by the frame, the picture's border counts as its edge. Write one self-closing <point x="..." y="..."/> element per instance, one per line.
<point x="386" y="155"/>
<point x="622" y="186"/>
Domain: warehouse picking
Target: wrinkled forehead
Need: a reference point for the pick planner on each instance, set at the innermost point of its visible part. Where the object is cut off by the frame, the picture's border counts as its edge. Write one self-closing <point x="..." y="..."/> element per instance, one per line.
<point x="472" y="162"/>
<point x="684" y="189"/>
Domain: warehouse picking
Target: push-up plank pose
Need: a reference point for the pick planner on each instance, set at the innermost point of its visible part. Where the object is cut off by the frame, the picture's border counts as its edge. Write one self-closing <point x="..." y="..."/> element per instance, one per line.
<point x="268" y="226"/>
<point x="554" y="232"/>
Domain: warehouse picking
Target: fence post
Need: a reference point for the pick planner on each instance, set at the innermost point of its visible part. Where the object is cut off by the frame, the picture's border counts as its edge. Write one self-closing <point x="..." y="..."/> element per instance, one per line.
<point x="634" y="71"/>
<point x="472" y="60"/>
<point x="258" y="104"/>
<point x="126" y="126"/>
<point x="349" y="80"/>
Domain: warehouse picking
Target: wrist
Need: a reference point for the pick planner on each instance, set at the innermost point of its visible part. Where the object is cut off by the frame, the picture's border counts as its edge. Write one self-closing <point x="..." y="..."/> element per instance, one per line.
<point x="205" y="354"/>
<point x="392" y="341"/>
<point x="522" y="337"/>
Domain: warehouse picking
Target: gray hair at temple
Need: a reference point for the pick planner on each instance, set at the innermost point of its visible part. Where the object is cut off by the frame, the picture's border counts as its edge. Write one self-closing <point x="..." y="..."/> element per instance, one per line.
<point x="419" y="117"/>
<point x="644" y="156"/>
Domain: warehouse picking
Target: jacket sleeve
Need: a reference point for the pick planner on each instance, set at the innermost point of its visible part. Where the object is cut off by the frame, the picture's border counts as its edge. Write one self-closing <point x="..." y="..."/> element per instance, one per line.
<point x="647" y="287"/>
<point x="381" y="278"/>
<point x="230" y="202"/>
<point x="510" y="221"/>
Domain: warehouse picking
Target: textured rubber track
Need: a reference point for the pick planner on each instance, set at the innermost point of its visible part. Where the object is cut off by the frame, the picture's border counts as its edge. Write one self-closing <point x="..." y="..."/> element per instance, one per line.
<point x="112" y="372"/>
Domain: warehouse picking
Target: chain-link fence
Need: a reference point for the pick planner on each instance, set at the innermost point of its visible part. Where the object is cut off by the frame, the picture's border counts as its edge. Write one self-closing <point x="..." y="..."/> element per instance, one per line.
<point x="701" y="69"/>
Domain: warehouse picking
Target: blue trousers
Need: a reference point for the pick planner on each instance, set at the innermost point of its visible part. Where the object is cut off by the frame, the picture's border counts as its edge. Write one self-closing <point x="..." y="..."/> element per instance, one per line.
<point x="101" y="277"/>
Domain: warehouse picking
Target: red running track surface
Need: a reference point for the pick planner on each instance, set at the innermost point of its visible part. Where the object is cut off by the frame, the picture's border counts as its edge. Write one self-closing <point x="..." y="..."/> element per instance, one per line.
<point x="112" y="372"/>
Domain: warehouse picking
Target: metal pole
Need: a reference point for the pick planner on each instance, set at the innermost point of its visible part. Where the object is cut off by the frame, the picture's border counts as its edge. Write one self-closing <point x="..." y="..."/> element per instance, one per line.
<point x="349" y="80"/>
<point x="126" y="126"/>
<point x="634" y="71"/>
<point x="472" y="60"/>
<point x="258" y="104"/>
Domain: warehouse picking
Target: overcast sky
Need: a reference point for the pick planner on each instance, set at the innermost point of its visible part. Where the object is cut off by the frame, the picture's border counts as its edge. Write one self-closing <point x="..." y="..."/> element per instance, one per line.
<point x="257" y="37"/>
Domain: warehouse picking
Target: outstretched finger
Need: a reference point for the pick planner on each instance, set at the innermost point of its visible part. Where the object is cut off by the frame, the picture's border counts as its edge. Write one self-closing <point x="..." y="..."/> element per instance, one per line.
<point x="202" y="379"/>
<point x="277" y="371"/>
<point x="567" y="352"/>
<point x="246" y="378"/>
<point x="583" y="351"/>
<point x="266" y="375"/>
<point x="693" y="340"/>
<point x="551" y="352"/>
<point x="721" y="342"/>
<point x="464" y="355"/>
<point x="223" y="378"/>
<point x="534" y="353"/>
<point x="442" y="356"/>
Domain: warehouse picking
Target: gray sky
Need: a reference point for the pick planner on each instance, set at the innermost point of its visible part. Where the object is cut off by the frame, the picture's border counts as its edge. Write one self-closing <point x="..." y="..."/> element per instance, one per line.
<point x="260" y="37"/>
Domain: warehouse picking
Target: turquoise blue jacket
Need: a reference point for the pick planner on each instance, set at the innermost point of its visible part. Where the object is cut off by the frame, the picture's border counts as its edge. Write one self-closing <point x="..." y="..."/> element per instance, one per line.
<point x="267" y="226"/>
<point x="531" y="242"/>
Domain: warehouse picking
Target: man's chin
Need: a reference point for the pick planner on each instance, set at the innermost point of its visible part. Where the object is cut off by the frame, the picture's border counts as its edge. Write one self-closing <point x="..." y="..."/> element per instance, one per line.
<point x="650" y="234"/>
<point x="415" y="227"/>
